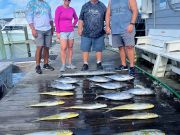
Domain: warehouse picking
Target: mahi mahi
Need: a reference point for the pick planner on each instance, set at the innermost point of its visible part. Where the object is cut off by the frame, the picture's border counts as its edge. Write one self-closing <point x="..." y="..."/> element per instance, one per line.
<point x="67" y="80"/>
<point x="134" y="106"/>
<point x="110" y="85"/>
<point x="61" y="132"/>
<point x="99" y="79"/>
<point x="140" y="91"/>
<point x="63" y="86"/>
<point x="118" y="77"/>
<point x="58" y="93"/>
<point x="88" y="73"/>
<point x="139" y="116"/>
<point x="117" y="96"/>
<point x="143" y="132"/>
<point x="88" y="106"/>
<point x="60" y="116"/>
<point x="49" y="103"/>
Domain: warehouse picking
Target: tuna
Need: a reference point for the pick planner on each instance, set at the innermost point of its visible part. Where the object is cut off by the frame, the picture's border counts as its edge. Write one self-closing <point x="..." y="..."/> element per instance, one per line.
<point x="99" y="79"/>
<point x="62" y="86"/>
<point x="117" y="96"/>
<point x="110" y="85"/>
<point x="61" y="132"/>
<point x="140" y="91"/>
<point x="118" y="77"/>
<point x="67" y="80"/>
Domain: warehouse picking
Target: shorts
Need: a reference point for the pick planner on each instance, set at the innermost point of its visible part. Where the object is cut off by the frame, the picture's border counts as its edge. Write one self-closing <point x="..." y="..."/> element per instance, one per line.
<point x="44" y="38"/>
<point x="94" y="44"/>
<point x="67" y="35"/>
<point x="124" y="39"/>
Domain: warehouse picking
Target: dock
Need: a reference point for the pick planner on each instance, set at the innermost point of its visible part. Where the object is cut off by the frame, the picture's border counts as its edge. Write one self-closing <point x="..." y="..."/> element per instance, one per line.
<point x="17" y="117"/>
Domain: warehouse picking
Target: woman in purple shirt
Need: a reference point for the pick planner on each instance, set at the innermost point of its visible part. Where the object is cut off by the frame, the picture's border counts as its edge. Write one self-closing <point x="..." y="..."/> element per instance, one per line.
<point x="65" y="32"/>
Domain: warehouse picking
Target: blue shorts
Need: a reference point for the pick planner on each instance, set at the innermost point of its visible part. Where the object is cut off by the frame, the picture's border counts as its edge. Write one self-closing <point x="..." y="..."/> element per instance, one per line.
<point x="94" y="44"/>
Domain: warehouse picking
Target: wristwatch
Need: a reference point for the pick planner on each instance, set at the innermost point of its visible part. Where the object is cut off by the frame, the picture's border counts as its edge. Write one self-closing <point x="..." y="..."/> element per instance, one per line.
<point x="132" y="23"/>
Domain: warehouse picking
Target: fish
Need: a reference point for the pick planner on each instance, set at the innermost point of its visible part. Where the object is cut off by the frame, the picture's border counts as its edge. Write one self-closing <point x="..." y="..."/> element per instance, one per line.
<point x="117" y="96"/>
<point x="99" y="79"/>
<point x="140" y="91"/>
<point x="67" y="80"/>
<point x="58" y="93"/>
<point x="139" y="116"/>
<point x="110" y="85"/>
<point x="88" y="106"/>
<point x="61" y="132"/>
<point x="62" y="86"/>
<point x="119" y="77"/>
<point x="87" y="73"/>
<point x="60" y="116"/>
<point x="44" y="104"/>
<point x="134" y="106"/>
<point x="143" y="132"/>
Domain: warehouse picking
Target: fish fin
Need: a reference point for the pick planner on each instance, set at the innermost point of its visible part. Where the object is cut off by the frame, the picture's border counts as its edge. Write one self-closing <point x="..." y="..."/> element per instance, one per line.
<point x="114" y="118"/>
<point x="140" y="86"/>
<point x="35" y="120"/>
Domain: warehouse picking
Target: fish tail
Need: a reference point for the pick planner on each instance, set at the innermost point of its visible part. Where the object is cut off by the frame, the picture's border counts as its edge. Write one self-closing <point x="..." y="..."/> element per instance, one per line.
<point x="36" y="120"/>
<point x="115" y="118"/>
<point x="109" y="109"/>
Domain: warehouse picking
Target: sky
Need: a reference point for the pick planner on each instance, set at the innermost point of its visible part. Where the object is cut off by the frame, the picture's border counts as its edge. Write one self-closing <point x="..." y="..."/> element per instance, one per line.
<point x="7" y="7"/>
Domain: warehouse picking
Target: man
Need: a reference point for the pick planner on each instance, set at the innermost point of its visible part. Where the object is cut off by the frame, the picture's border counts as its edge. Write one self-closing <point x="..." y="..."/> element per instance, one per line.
<point x="91" y="30"/>
<point x="40" y="21"/>
<point x="123" y="14"/>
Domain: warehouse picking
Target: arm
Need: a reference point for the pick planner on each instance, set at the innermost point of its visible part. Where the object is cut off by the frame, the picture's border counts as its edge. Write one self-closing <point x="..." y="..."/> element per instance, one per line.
<point x="51" y="22"/>
<point x="57" y="23"/>
<point x="75" y="18"/>
<point x="81" y="23"/>
<point x="134" y="9"/>
<point x="30" y="19"/>
<point x="108" y="14"/>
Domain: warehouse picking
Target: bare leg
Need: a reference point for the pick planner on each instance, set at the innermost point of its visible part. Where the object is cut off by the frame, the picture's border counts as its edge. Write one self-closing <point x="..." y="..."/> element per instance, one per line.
<point x="131" y="55"/>
<point x="122" y="54"/>
<point x="85" y="57"/>
<point x="38" y="54"/>
<point x="70" y="50"/>
<point x="63" y="43"/>
<point x="99" y="56"/>
<point x="46" y="55"/>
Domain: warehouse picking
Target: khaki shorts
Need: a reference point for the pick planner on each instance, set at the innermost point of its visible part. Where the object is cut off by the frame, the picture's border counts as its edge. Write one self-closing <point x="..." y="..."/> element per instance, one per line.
<point x="44" y="38"/>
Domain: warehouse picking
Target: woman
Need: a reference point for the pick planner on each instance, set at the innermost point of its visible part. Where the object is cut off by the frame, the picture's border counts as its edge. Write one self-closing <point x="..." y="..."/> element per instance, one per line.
<point x="65" y="32"/>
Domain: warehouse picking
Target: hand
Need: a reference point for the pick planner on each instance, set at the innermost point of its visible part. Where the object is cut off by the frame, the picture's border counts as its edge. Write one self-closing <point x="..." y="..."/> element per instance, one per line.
<point x="108" y="30"/>
<point x="52" y="31"/>
<point x="34" y="33"/>
<point x="58" y="37"/>
<point x="80" y="32"/>
<point x="130" y="28"/>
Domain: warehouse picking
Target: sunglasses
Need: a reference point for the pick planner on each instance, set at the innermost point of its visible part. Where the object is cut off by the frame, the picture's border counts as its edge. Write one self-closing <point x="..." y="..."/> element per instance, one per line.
<point x="68" y="0"/>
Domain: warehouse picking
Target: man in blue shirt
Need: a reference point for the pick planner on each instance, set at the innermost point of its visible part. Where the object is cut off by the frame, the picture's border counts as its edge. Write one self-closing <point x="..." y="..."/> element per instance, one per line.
<point x="91" y="30"/>
<point x="122" y="14"/>
<point x="38" y="15"/>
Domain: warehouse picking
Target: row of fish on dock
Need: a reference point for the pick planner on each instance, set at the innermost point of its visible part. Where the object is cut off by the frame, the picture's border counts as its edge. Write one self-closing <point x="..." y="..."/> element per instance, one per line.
<point x="110" y="81"/>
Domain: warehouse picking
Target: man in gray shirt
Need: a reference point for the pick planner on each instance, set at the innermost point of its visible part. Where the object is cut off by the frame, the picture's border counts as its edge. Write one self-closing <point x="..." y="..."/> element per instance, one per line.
<point x="38" y="15"/>
<point x="91" y="30"/>
<point x="123" y="14"/>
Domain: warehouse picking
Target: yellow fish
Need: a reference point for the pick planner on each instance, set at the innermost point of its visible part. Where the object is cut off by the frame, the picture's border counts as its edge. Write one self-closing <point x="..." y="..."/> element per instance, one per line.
<point x="49" y="103"/>
<point x="60" y="116"/>
<point x="58" y="93"/>
<point x="135" y="106"/>
<point x="61" y="132"/>
<point x="140" y="116"/>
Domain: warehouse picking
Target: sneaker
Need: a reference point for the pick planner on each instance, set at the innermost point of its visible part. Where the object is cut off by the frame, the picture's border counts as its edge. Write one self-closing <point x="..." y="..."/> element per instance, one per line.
<point x="62" y="69"/>
<point x="71" y="66"/>
<point x="99" y="66"/>
<point x="121" y="68"/>
<point x="85" y="67"/>
<point x="132" y="71"/>
<point x="47" y="66"/>
<point x="38" y="69"/>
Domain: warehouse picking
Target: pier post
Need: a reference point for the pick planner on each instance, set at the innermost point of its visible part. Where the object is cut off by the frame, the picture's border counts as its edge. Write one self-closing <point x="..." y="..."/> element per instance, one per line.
<point x="2" y="47"/>
<point x="27" y="43"/>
